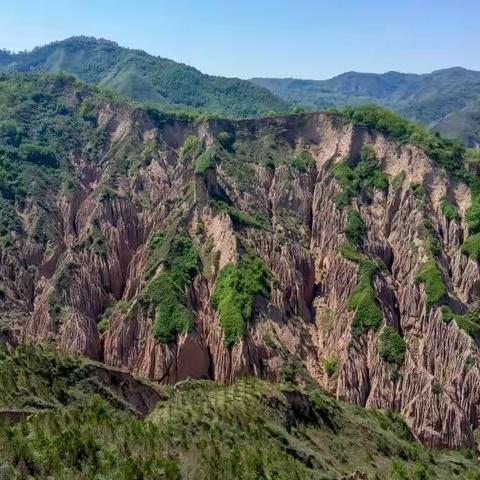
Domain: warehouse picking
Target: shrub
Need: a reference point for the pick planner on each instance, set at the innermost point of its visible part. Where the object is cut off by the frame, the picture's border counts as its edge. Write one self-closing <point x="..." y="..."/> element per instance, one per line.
<point x="234" y="295"/>
<point x="392" y="347"/>
<point x="9" y="221"/>
<point x="359" y="179"/>
<point x="363" y="301"/>
<point x="448" y="210"/>
<point x="205" y="161"/>
<point x="331" y="365"/>
<point x="240" y="218"/>
<point x="9" y="133"/>
<point x="471" y="246"/>
<point x="418" y="190"/>
<point x="303" y="162"/>
<point x="432" y="277"/>
<point x="355" y="228"/>
<point x="472" y="216"/>
<point x="167" y="290"/>
<point x="226" y="140"/>
<point x="191" y="146"/>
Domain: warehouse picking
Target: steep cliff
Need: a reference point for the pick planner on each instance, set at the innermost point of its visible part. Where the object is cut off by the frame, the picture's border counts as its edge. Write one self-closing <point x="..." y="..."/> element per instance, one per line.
<point x="303" y="248"/>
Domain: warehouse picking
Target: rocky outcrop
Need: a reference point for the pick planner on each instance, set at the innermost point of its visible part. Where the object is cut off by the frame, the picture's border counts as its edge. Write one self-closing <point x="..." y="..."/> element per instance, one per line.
<point x="100" y="257"/>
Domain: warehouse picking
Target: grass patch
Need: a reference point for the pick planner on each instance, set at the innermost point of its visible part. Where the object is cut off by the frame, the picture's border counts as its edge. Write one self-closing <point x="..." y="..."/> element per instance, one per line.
<point x="234" y="295"/>
<point x="167" y="290"/>
<point x="432" y="277"/>
<point x="392" y="347"/>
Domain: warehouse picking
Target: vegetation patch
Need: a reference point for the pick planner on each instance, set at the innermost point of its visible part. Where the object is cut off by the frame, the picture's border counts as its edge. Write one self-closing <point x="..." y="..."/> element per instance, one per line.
<point x="448" y="210"/>
<point x="226" y="140"/>
<point x="9" y="222"/>
<point x="240" y="218"/>
<point x="447" y="153"/>
<point x="355" y="228"/>
<point x="469" y="322"/>
<point x="192" y="147"/>
<point x="472" y="216"/>
<point x="363" y="300"/>
<point x="392" y="347"/>
<point x="331" y="366"/>
<point x="432" y="277"/>
<point x="167" y="290"/>
<point x="359" y="179"/>
<point x="206" y="161"/>
<point x="303" y="161"/>
<point x="418" y="191"/>
<point x="471" y="246"/>
<point x="234" y="296"/>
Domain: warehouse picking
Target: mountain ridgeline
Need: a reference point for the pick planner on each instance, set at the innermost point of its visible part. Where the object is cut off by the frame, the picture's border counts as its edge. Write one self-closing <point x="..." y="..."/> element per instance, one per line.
<point x="444" y="99"/>
<point x="146" y="78"/>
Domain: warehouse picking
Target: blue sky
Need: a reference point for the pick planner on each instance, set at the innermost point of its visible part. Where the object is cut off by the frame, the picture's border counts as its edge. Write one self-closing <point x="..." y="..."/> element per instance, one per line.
<point x="277" y="38"/>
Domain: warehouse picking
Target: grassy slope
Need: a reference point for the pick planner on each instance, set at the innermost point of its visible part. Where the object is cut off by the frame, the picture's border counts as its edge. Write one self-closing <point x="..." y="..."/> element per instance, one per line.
<point x="251" y="430"/>
<point x="146" y="78"/>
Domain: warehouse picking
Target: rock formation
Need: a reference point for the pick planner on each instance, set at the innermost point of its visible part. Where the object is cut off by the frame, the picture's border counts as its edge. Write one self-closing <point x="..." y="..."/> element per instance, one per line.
<point x="268" y="187"/>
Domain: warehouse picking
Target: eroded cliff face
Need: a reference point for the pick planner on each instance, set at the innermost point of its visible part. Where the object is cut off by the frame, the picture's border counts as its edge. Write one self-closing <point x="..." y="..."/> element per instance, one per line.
<point x="101" y="250"/>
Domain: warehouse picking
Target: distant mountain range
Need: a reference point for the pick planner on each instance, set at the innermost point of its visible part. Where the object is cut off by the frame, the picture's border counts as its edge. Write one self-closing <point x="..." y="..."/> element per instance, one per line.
<point x="146" y="78"/>
<point x="446" y="100"/>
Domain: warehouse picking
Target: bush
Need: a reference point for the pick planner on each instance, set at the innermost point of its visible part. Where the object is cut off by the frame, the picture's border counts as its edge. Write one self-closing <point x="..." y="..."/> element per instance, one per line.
<point x="363" y="301"/>
<point x="418" y="190"/>
<point x="331" y="365"/>
<point x="167" y="290"/>
<point x="471" y="246"/>
<point x="392" y="347"/>
<point x="359" y="179"/>
<point x="191" y="146"/>
<point x="205" y="161"/>
<point x="9" y="221"/>
<point x="432" y="277"/>
<point x="10" y="133"/>
<point x="448" y="210"/>
<point x="226" y="140"/>
<point x="303" y="162"/>
<point x="355" y="228"/>
<point x="234" y="295"/>
<point x="240" y="218"/>
<point x="472" y="216"/>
